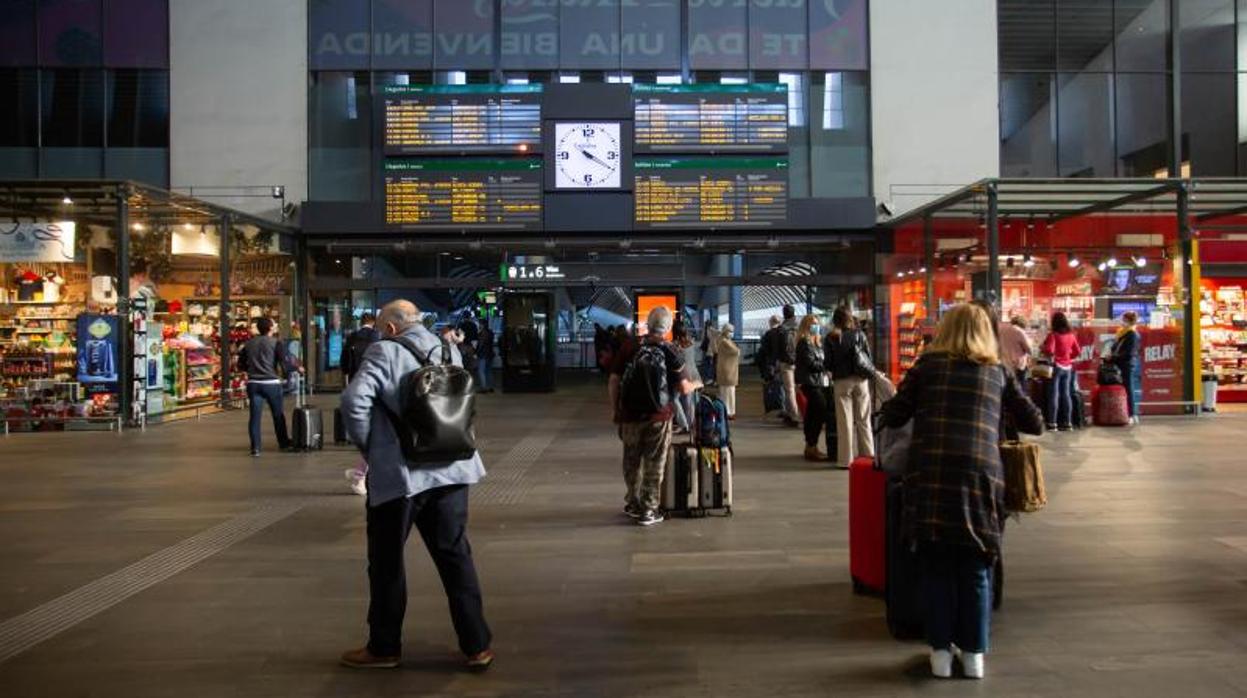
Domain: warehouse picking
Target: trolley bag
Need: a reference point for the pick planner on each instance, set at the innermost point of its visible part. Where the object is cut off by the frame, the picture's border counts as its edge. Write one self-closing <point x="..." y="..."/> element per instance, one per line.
<point x="903" y="587"/>
<point x="714" y="479"/>
<point x="772" y="396"/>
<point x="867" y="494"/>
<point x="1109" y="406"/>
<point x="680" y="490"/>
<point x="309" y="432"/>
<point x="339" y="428"/>
<point x="1078" y="410"/>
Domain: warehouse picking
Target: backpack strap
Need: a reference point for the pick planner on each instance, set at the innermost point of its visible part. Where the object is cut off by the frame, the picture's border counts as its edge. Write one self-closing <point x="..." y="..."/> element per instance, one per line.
<point x="422" y="358"/>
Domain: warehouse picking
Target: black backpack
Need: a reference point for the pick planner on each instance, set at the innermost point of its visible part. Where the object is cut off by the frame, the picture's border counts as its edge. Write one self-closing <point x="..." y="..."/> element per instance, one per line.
<point x="643" y="390"/>
<point x="356" y="345"/>
<point x="437" y="407"/>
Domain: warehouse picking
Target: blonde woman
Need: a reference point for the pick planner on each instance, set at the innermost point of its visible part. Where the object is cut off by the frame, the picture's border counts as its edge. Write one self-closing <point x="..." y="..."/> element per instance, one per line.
<point x="954" y="486"/>
<point x="727" y="368"/>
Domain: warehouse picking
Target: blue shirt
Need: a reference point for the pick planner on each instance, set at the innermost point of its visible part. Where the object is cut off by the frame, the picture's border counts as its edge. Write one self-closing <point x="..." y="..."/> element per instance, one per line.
<point x="389" y="475"/>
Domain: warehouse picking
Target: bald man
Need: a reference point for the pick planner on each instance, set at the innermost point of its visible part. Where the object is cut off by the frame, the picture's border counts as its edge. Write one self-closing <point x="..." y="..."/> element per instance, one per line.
<point x="431" y="497"/>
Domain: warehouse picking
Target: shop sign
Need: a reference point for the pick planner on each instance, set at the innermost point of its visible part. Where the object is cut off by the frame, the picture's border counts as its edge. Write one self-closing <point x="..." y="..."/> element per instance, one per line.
<point x="1074" y="288"/>
<point x="1163" y="367"/>
<point x="37" y="242"/>
<point x="99" y="353"/>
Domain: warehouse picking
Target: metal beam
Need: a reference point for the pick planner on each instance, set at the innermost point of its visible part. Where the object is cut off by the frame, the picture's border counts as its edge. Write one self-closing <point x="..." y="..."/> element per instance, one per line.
<point x="227" y="225"/>
<point x="1105" y="206"/>
<point x="1174" y="107"/>
<point x="993" y="245"/>
<point x="125" y="387"/>
<point x="1213" y="215"/>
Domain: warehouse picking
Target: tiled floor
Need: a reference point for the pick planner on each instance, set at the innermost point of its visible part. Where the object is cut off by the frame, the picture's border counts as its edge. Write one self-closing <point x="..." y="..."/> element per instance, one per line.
<point x="1133" y="582"/>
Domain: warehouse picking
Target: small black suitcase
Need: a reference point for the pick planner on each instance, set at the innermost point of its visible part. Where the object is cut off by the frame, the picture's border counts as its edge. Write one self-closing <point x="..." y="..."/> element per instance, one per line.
<point x="309" y="423"/>
<point x="339" y="428"/>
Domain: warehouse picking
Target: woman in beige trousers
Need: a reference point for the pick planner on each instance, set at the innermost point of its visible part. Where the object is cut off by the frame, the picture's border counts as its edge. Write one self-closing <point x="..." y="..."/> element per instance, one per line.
<point x="727" y="369"/>
<point x="849" y="356"/>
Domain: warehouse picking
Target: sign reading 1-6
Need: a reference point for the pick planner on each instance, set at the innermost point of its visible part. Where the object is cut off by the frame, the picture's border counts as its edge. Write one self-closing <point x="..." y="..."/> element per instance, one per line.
<point x="520" y="273"/>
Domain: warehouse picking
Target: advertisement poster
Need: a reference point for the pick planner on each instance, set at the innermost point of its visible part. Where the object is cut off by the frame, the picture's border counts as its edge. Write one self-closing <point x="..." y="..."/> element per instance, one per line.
<point x="98" y="353"/>
<point x="645" y="303"/>
<point x="37" y="242"/>
<point x="1162" y="358"/>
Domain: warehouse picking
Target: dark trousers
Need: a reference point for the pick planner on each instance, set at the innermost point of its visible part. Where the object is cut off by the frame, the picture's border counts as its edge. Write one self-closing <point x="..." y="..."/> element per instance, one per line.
<point x="441" y="517"/>
<point x="819" y="418"/>
<point x="957" y="594"/>
<point x="257" y="395"/>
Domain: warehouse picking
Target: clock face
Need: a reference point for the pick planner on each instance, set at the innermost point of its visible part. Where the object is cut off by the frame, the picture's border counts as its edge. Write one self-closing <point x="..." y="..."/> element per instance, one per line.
<point x="587" y="155"/>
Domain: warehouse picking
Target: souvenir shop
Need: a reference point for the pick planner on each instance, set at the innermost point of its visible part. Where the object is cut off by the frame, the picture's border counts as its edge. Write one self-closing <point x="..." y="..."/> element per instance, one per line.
<point x="1092" y="251"/>
<point x="120" y="306"/>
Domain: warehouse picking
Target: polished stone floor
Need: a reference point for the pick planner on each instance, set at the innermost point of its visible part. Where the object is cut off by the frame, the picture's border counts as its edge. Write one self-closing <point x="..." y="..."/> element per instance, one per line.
<point x="170" y="563"/>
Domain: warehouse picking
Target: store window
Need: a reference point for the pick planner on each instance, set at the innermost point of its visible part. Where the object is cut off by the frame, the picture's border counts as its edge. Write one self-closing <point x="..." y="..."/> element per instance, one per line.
<point x="1142" y="129"/>
<point x="1207" y="35"/>
<point x="340" y="135"/>
<point x="1210" y="123"/>
<point x="1085" y="125"/>
<point x="1084" y="35"/>
<point x="1142" y="35"/>
<point x="59" y="331"/>
<point x="73" y="107"/>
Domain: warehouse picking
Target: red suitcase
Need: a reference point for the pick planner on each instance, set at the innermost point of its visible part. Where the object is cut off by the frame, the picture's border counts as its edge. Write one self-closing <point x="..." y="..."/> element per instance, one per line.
<point x="1109" y="406"/>
<point x="867" y="526"/>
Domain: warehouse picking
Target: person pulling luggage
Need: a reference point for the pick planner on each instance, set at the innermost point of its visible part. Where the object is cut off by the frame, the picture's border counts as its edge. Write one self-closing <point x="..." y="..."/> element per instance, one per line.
<point x="259" y="359"/>
<point x="956" y="395"/>
<point x="644" y="379"/>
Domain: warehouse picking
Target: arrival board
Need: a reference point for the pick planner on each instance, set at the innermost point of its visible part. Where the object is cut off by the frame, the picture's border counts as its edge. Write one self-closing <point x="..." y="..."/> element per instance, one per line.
<point x="711" y="118"/>
<point x="711" y="192"/>
<point x="433" y="119"/>
<point x="479" y="194"/>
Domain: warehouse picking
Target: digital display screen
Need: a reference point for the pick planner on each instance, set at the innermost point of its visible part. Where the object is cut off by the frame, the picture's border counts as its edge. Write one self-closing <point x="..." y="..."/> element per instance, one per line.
<point x="1144" y="309"/>
<point x="711" y="192"/>
<point x="483" y="194"/>
<point x="711" y="118"/>
<point x="433" y="119"/>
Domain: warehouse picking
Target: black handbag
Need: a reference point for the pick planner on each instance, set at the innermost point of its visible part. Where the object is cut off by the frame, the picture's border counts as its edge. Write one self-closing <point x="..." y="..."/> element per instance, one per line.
<point x="1109" y="374"/>
<point x="437" y="407"/>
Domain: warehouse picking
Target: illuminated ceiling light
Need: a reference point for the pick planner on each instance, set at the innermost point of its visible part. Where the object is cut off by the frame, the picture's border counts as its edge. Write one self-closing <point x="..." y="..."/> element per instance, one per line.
<point x="900" y="274"/>
<point x="1028" y="261"/>
<point x="137" y="226"/>
<point x="187" y="226"/>
<point x="922" y="270"/>
<point x="1102" y="266"/>
<point x="1074" y="261"/>
<point x="67" y="201"/>
<point x="1140" y="261"/>
<point x="337" y="261"/>
<point x="1112" y="262"/>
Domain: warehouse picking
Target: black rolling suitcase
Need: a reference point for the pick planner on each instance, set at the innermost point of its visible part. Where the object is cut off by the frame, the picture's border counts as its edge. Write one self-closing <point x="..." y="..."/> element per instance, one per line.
<point x="339" y="428"/>
<point x="309" y="424"/>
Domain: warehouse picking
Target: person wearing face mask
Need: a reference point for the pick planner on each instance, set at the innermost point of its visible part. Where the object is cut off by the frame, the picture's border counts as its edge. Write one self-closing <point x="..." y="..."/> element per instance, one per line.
<point x="812" y="380"/>
<point x="727" y="368"/>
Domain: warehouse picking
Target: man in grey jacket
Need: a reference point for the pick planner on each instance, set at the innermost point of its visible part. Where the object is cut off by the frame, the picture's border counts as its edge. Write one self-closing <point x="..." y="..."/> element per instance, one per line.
<point x="433" y="498"/>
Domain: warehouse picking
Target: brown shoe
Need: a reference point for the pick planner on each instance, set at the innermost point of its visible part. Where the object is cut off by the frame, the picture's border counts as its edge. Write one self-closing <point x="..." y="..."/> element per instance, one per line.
<point x="812" y="453"/>
<point x="363" y="659"/>
<point x="480" y="661"/>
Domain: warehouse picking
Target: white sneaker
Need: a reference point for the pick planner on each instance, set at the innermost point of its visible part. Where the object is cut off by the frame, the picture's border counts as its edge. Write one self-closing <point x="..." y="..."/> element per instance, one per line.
<point x="357" y="484"/>
<point x="1134" y="421"/>
<point x="941" y="663"/>
<point x="972" y="664"/>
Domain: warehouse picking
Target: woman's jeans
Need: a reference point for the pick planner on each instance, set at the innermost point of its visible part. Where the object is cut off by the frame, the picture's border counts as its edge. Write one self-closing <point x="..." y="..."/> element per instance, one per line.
<point x="1060" y="406"/>
<point x="957" y="594"/>
<point x="1127" y="381"/>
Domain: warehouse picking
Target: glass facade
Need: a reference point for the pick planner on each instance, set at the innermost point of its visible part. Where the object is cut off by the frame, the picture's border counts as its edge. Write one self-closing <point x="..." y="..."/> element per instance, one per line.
<point x="357" y="45"/>
<point x="1085" y="88"/>
<point x="87" y="88"/>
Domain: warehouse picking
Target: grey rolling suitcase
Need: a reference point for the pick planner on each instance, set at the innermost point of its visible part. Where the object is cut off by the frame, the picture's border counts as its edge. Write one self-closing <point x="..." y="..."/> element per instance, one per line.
<point x="680" y="489"/>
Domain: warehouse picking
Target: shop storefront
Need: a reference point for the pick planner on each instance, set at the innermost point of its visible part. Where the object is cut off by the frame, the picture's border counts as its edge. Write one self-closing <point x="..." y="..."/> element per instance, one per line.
<point x="1223" y="313"/>
<point x="120" y="305"/>
<point x="1092" y="251"/>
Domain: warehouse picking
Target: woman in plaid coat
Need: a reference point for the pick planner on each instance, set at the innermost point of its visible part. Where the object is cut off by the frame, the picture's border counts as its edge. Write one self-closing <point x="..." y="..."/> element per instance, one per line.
<point x="956" y="394"/>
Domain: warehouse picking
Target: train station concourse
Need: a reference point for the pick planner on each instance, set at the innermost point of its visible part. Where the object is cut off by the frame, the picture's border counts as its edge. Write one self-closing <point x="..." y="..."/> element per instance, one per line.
<point x="623" y="348"/>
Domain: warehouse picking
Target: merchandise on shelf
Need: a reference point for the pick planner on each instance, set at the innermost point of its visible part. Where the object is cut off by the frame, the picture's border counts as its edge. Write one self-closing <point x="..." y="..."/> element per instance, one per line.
<point x="1223" y="337"/>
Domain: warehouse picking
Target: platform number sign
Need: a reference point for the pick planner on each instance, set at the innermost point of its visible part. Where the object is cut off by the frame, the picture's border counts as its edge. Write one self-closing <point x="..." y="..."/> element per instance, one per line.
<point x="587" y="155"/>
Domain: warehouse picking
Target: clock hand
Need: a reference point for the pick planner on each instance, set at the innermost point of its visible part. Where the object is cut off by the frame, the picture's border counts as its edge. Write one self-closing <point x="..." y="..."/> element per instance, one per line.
<point x="595" y="158"/>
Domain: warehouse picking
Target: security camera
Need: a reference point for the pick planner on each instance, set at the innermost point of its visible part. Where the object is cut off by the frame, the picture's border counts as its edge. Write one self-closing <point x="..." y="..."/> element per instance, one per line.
<point x="885" y="209"/>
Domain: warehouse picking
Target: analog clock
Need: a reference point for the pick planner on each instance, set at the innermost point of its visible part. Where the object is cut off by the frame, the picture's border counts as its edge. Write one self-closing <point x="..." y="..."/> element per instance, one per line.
<point x="587" y="155"/>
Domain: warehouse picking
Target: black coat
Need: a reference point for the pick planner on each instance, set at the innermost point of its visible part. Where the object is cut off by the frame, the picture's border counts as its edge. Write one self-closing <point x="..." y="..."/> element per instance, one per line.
<point x="1126" y="350"/>
<point x="809" y="368"/>
<point x="848" y="355"/>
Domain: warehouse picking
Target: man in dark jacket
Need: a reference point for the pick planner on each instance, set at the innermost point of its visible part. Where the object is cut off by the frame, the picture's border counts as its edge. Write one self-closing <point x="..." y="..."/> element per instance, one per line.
<point x="485" y="358"/>
<point x="260" y="358"/>
<point x="785" y="353"/>
<point x="357" y="343"/>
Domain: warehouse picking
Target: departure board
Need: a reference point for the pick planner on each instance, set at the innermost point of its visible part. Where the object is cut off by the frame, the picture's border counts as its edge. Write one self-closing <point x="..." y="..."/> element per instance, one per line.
<point x="711" y="192"/>
<point x="479" y="194"/>
<point x="444" y="119"/>
<point x="711" y="118"/>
